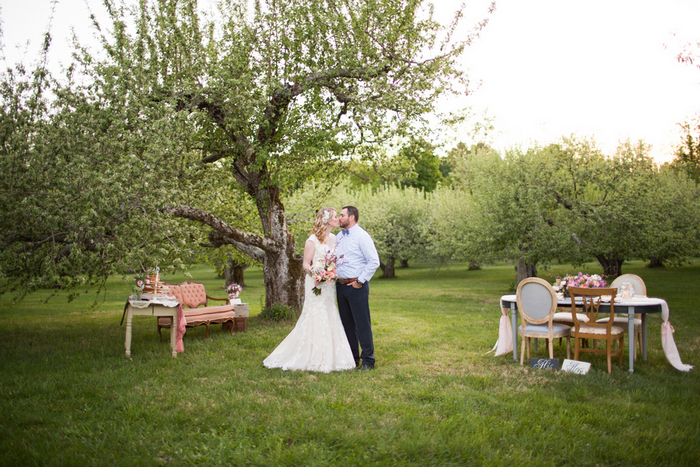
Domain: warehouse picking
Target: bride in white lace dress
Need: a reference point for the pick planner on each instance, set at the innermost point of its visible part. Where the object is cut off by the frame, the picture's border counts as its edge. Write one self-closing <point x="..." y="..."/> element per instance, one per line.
<point x="318" y="341"/>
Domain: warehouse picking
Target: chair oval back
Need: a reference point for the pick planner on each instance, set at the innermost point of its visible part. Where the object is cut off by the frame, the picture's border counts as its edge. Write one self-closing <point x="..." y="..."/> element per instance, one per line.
<point x="640" y="287"/>
<point x="536" y="300"/>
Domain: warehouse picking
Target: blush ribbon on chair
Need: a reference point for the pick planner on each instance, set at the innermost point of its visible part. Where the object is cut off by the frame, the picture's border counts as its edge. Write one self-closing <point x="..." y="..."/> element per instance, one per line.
<point x="668" y="343"/>
<point x="504" y="344"/>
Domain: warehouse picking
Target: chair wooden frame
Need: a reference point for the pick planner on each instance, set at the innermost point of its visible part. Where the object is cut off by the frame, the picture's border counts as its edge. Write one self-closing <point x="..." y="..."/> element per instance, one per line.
<point x="592" y="329"/>
<point x="537" y="322"/>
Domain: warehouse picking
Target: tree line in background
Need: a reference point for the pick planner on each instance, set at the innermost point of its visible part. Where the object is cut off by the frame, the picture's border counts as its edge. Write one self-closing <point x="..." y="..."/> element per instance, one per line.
<point x="191" y="141"/>
<point x="562" y="203"/>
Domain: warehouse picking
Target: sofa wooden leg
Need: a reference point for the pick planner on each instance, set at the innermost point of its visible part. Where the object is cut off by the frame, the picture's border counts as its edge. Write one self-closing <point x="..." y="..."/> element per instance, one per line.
<point x="228" y="326"/>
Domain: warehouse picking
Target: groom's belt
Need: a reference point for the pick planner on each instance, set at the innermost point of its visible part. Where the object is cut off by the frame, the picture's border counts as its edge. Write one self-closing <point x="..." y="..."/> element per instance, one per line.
<point x="347" y="281"/>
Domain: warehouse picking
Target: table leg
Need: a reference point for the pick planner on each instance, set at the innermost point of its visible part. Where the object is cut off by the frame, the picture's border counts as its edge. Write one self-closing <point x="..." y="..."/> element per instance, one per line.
<point x="127" y="344"/>
<point x="173" y="334"/>
<point x="514" y="325"/>
<point x="630" y="337"/>
<point x="644" y="336"/>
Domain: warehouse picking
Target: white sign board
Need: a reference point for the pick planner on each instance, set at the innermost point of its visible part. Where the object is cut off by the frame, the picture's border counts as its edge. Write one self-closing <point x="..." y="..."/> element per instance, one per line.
<point x="573" y="366"/>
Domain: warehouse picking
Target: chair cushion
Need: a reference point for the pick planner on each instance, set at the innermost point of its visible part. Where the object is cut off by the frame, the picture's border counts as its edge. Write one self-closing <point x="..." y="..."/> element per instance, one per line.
<point x="542" y="329"/>
<point x="614" y="330"/>
<point x="622" y="321"/>
<point x="197" y="316"/>
<point x="565" y="317"/>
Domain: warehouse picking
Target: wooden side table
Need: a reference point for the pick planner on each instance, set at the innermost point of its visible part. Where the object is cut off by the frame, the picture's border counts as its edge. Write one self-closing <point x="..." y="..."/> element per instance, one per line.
<point x="151" y="310"/>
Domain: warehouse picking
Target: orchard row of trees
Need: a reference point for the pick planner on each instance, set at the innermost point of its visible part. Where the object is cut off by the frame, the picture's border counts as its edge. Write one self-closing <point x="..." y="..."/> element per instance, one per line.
<point x="565" y="202"/>
<point x="186" y="139"/>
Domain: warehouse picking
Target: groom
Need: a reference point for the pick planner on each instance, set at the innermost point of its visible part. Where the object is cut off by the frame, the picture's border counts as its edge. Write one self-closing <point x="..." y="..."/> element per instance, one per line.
<point x="356" y="268"/>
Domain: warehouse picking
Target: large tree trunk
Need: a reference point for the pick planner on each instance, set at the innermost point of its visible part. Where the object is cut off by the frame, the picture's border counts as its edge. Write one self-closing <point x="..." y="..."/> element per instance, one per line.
<point x="234" y="273"/>
<point x="612" y="265"/>
<point x="655" y="263"/>
<point x="524" y="270"/>
<point x="388" y="267"/>
<point x="284" y="280"/>
<point x="282" y="268"/>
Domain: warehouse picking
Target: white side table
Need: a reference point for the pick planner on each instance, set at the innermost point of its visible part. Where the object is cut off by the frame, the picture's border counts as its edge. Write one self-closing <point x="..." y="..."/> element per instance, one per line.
<point x="150" y="310"/>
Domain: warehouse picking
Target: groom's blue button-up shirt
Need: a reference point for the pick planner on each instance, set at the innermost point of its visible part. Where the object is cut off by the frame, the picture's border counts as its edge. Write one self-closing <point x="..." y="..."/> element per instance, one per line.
<point x="359" y="255"/>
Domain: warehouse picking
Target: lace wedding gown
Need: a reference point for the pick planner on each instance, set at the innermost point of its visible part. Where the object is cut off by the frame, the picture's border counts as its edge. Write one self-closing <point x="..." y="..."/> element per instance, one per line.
<point x="318" y="341"/>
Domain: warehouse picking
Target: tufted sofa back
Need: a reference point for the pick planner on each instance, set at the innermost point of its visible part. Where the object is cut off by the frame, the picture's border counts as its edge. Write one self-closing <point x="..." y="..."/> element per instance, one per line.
<point x="175" y="291"/>
<point x="192" y="294"/>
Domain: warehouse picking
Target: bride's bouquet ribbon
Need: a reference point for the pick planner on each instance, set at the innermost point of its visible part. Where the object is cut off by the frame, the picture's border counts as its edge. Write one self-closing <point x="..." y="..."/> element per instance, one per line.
<point x="504" y="344"/>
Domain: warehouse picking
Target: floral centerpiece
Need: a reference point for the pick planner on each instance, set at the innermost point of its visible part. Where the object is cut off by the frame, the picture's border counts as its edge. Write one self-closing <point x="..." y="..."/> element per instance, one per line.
<point x="594" y="281"/>
<point x="137" y="288"/>
<point x="147" y="281"/>
<point x="233" y="290"/>
<point x="325" y="271"/>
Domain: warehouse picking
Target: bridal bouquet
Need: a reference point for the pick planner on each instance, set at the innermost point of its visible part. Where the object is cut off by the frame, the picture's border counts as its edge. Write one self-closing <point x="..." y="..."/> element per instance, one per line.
<point x="593" y="281"/>
<point x="325" y="271"/>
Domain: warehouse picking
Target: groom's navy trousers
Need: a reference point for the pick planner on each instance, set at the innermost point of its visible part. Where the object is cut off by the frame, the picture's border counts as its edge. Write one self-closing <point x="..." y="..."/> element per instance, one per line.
<point x="353" y="306"/>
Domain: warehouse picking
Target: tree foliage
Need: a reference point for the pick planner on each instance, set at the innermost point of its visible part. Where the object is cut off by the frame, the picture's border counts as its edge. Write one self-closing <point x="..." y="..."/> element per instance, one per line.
<point x="425" y="163"/>
<point x="569" y="202"/>
<point x="688" y="152"/>
<point x="276" y="94"/>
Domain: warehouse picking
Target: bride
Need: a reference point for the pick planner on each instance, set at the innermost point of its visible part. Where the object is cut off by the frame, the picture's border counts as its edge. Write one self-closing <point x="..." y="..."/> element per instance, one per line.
<point x="318" y="341"/>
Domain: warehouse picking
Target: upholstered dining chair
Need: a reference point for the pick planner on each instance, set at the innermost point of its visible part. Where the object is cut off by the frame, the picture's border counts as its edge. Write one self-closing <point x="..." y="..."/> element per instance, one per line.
<point x="590" y="301"/>
<point x="536" y="304"/>
<point x="622" y="319"/>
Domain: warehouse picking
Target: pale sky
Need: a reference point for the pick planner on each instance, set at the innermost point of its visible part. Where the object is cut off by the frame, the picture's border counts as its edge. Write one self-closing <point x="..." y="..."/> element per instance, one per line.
<point x="542" y="69"/>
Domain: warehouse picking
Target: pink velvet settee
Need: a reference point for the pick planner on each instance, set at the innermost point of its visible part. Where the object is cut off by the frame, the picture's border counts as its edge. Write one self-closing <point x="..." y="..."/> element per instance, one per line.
<point x="191" y="296"/>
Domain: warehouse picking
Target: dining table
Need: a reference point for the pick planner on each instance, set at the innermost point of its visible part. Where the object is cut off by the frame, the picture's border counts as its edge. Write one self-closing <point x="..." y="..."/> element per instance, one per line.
<point x="636" y="305"/>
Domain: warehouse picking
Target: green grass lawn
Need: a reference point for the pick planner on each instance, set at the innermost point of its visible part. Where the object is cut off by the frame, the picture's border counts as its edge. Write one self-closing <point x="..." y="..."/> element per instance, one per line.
<point x="69" y="396"/>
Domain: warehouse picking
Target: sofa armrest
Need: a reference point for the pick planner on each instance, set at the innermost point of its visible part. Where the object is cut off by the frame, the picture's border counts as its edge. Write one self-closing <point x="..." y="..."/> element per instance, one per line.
<point x="219" y="299"/>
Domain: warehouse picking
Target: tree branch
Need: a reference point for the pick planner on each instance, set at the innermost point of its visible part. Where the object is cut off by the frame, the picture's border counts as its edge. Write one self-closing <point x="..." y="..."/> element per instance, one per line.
<point x="232" y="234"/>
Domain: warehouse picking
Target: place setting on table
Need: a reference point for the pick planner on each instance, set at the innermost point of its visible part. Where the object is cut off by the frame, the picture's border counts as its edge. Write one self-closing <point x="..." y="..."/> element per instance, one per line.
<point x="630" y="300"/>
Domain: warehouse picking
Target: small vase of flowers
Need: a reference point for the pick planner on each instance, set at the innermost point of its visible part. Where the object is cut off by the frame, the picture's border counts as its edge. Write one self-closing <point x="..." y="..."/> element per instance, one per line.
<point x="233" y="290"/>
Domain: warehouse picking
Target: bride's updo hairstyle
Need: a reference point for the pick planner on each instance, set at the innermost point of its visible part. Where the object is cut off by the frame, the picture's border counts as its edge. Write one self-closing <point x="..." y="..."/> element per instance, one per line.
<point x="323" y="216"/>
